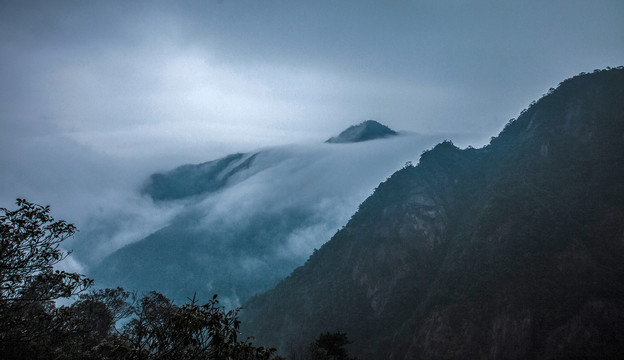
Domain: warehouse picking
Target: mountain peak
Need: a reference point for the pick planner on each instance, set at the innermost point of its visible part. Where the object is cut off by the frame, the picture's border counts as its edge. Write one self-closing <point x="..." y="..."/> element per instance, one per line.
<point x="367" y="130"/>
<point x="508" y="251"/>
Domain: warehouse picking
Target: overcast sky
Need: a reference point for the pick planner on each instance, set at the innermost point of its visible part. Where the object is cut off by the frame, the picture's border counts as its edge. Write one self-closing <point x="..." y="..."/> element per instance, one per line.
<point x="88" y="85"/>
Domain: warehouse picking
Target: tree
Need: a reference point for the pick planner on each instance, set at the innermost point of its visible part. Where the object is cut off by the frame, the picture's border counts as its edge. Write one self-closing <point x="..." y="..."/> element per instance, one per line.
<point x="88" y="327"/>
<point x="330" y="346"/>
<point x="32" y="327"/>
<point x="159" y="329"/>
<point x="29" y="284"/>
<point x="29" y="249"/>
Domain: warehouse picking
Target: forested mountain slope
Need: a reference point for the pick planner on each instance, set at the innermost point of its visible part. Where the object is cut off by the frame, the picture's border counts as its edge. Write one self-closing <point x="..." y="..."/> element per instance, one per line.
<point x="514" y="250"/>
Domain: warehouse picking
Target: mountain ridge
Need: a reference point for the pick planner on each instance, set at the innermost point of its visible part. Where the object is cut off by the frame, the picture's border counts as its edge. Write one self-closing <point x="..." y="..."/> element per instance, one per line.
<point x="195" y="179"/>
<point x="513" y="250"/>
<point x="190" y="180"/>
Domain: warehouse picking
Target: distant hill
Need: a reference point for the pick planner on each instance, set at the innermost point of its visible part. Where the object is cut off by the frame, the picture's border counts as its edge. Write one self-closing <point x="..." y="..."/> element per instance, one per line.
<point x="192" y="180"/>
<point x="368" y="130"/>
<point x="244" y="222"/>
<point x="511" y="251"/>
<point x="196" y="179"/>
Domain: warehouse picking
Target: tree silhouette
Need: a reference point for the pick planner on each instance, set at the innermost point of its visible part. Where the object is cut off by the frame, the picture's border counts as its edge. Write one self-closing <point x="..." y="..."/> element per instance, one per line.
<point x="29" y="284"/>
<point x="330" y="346"/>
<point x="101" y="324"/>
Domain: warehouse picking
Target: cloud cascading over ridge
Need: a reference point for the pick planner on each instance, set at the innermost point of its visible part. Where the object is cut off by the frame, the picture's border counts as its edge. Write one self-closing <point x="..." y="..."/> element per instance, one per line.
<point x="95" y="96"/>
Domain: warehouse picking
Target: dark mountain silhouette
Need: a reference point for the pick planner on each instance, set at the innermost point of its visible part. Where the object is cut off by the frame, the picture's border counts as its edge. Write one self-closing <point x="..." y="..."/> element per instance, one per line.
<point x="368" y="130"/>
<point x="511" y="251"/>
<point x="191" y="180"/>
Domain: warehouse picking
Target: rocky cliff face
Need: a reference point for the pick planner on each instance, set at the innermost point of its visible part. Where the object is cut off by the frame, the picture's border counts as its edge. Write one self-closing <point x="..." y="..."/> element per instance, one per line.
<point x="513" y="251"/>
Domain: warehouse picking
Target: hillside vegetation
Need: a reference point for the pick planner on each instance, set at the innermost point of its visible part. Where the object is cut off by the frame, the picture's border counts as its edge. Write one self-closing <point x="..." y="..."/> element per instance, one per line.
<point x="514" y="250"/>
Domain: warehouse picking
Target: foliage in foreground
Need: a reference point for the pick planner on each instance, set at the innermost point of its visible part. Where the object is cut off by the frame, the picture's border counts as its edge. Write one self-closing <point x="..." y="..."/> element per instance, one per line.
<point x="101" y="324"/>
<point x="330" y="346"/>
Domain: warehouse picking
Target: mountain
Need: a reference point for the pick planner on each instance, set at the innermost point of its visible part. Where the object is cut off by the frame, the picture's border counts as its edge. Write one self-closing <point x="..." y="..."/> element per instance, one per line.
<point x="191" y="180"/>
<point x="240" y="224"/>
<point x="196" y="179"/>
<point x="368" y="130"/>
<point x="511" y="251"/>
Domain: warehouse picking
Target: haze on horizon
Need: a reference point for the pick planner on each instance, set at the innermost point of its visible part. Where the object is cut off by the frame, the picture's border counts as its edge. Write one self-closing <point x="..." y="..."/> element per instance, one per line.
<point x="95" y="96"/>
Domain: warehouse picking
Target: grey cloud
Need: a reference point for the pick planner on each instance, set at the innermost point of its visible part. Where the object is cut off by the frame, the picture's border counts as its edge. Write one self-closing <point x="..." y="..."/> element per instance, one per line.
<point x="99" y="67"/>
<point x="252" y="232"/>
<point x="329" y="181"/>
<point x="94" y="96"/>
